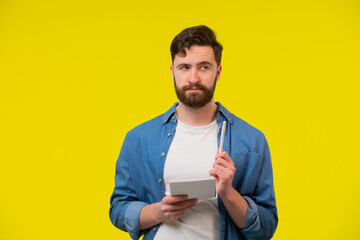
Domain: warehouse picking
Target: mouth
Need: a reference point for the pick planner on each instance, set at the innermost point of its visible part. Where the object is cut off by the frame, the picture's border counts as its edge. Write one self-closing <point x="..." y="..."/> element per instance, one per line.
<point x="194" y="90"/>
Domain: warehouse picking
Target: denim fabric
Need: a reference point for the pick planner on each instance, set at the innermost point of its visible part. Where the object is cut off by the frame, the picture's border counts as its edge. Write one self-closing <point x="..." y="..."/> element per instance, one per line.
<point x="140" y="168"/>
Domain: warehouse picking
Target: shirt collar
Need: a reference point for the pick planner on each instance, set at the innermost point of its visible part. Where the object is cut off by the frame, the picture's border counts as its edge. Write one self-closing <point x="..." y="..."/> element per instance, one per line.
<point x="170" y="113"/>
<point x="223" y="113"/>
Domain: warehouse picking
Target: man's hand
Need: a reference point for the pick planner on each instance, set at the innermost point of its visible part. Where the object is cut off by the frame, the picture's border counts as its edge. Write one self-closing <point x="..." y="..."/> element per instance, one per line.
<point x="223" y="171"/>
<point x="172" y="208"/>
<point x="169" y="209"/>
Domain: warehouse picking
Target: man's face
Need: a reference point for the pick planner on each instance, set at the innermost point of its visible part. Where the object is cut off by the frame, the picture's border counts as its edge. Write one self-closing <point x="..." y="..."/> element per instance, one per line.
<point x="195" y="76"/>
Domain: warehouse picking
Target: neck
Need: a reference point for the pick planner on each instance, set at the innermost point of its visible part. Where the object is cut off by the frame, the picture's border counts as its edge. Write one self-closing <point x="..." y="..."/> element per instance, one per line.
<point x="197" y="116"/>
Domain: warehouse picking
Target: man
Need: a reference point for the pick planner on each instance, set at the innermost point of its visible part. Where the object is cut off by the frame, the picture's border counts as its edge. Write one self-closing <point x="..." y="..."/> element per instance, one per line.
<point x="182" y="144"/>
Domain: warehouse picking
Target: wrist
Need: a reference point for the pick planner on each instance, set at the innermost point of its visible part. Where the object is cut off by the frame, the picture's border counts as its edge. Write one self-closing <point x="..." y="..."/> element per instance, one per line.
<point x="157" y="216"/>
<point x="149" y="216"/>
<point x="228" y="194"/>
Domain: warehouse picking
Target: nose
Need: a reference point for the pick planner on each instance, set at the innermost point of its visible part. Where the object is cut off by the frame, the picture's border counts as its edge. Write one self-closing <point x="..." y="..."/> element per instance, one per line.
<point x="194" y="77"/>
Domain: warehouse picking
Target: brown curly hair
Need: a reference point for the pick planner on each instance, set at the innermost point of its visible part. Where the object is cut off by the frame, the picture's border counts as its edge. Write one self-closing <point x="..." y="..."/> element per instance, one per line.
<point x="198" y="35"/>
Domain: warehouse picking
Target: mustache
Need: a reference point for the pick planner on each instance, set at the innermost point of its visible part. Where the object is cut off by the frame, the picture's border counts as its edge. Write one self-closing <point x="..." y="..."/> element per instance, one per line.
<point x="194" y="85"/>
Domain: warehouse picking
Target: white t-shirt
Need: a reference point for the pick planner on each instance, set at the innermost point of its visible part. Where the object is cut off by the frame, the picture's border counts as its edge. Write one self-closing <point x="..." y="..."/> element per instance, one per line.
<point x="191" y="156"/>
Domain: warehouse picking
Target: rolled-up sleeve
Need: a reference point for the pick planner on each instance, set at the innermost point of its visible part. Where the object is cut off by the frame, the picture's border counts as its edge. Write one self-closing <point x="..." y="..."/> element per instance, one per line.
<point x="252" y="221"/>
<point x="132" y="219"/>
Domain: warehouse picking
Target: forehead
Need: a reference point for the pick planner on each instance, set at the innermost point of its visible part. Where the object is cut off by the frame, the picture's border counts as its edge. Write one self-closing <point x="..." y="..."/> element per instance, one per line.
<point x="195" y="55"/>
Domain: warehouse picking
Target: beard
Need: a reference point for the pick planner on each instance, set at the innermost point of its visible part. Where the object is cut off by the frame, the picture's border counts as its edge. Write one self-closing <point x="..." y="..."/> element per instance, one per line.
<point x="196" y="99"/>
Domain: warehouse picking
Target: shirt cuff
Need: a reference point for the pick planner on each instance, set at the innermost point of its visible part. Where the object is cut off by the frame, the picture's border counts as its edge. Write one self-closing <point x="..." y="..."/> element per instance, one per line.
<point x="132" y="218"/>
<point x="252" y="220"/>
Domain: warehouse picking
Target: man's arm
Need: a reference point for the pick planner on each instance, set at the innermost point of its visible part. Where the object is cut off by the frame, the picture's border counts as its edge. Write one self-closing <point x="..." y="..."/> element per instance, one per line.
<point x="125" y="204"/>
<point x="255" y="215"/>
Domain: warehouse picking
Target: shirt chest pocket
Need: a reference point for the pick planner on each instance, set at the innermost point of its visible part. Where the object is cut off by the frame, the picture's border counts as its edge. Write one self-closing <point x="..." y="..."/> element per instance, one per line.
<point x="248" y="166"/>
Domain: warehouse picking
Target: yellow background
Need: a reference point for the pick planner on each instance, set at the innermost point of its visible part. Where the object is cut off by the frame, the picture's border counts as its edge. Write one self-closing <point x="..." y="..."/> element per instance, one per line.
<point x="77" y="75"/>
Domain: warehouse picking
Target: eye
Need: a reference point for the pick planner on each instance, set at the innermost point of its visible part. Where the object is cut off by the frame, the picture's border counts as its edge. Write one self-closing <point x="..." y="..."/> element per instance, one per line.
<point x="204" y="67"/>
<point x="183" y="67"/>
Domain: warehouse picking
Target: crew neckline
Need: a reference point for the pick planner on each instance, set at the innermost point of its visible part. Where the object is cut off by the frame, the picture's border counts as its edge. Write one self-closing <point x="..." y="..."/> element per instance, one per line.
<point x="196" y="128"/>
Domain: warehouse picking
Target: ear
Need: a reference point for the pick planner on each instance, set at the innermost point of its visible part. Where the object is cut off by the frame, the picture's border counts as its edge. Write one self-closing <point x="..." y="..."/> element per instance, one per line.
<point x="218" y="72"/>
<point x="172" y="71"/>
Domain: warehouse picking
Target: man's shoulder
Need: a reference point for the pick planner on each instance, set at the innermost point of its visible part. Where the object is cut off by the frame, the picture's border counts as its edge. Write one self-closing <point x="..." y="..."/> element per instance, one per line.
<point x="243" y="126"/>
<point x="148" y="126"/>
<point x="253" y="138"/>
<point x="153" y="125"/>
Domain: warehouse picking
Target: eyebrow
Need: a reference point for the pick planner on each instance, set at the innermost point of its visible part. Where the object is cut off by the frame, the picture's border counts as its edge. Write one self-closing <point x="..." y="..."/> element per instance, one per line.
<point x="198" y="64"/>
<point x="182" y="65"/>
<point x="204" y="63"/>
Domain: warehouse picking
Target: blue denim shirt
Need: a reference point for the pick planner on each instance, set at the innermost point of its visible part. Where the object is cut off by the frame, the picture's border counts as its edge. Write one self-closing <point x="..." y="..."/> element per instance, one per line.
<point x="140" y="167"/>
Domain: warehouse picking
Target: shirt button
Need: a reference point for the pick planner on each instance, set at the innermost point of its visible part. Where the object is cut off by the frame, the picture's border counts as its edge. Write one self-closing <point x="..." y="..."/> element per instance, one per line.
<point x="154" y="229"/>
<point x="169" y="134"/>
<point x="173" y="118"/>
<point x="229" y="119"/>
<point x="162" y="154"/>
<point x="160" y="180"/>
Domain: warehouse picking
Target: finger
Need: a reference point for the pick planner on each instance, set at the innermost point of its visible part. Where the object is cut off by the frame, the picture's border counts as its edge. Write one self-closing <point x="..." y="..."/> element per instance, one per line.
<point x="187" y="206"/>
<point x="171" y="199"/>
<point x="180" y="206"/>
<point x="215" y="173"/>
<point x="224" y="155"/>
<point x="184" y="204"/>
<point x="225" y="169"/>
<point x="222" y="162"/>
<point x="227" y="157"/>
<point x="222" y="173"/>
<point x="212" y="173"/>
